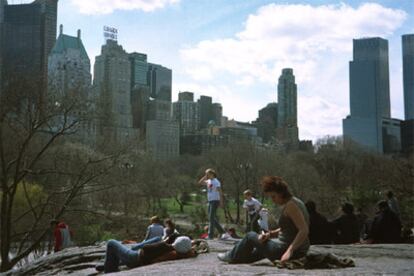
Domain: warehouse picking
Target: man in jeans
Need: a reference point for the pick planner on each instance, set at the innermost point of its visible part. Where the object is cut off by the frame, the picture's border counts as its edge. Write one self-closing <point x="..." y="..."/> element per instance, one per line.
<point x="215" y="199"/>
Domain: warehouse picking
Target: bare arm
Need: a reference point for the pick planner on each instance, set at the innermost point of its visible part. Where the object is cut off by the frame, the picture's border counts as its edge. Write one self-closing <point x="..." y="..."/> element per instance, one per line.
<point x="203" y="180"/>
<point x="293" y="211"/>
<point x="271" y="234"/>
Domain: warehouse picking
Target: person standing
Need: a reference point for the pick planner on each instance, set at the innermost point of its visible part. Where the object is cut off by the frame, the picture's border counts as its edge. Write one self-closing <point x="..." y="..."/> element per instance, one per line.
<point x="253" y="207"/>
<point x="62" y="235"/>
<point x="215" y="199"/>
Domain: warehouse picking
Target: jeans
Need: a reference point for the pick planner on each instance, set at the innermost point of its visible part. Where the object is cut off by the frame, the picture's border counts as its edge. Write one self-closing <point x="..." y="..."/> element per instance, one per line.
<point x="253" y="224"/>
<point x="250" y="249"/>
<point x="140" y="245"/>
<point x="212" y="217"/>
<point x="117" y="253"/>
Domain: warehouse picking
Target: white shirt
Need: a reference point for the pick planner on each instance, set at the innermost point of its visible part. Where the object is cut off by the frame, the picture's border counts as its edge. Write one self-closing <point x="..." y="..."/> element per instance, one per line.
<point x="252" y="205"/>
<point x="212" y="189"/>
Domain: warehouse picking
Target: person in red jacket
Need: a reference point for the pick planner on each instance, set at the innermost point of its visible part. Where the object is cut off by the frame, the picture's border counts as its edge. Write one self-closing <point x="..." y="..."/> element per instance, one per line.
<point x="62" y="234"/>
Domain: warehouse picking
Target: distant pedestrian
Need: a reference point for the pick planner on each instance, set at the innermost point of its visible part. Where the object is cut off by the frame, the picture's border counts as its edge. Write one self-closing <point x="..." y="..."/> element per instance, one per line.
<point x="393" y="203"/>
<point x="253" y="207"/>
<point x="215" y="199"/>
<point x="346" y="226"/>
<point x="62" y="235"/>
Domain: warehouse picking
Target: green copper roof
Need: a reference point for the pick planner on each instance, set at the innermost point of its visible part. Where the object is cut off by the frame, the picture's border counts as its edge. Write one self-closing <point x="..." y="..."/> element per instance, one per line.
<point x="65" y="42"/>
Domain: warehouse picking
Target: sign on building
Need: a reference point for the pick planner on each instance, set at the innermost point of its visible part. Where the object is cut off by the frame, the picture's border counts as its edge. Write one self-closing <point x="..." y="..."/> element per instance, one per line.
<point x="110" y="33"/>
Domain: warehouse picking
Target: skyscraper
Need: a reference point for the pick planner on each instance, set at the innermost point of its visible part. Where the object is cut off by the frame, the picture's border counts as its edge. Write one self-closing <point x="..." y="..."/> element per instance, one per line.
<point x="28" y="36"/>
<point x="217" y="113"/>
<point x="185" y="112"/>
<point x="160" y="82"/>
<point x="369" y="93"/>
<point x="69" y="67"/>
<point x="69" y="75"/>
<point x="287" y="120"/>
<point x="407" y="126"/>
<point x="267" y="122"/>
<point x="140" y="90"/>
<point x="112" y="82"/>
<point x="139" y="69"/>
<point x="408" y="74"/>
<point x="205" y="109"/>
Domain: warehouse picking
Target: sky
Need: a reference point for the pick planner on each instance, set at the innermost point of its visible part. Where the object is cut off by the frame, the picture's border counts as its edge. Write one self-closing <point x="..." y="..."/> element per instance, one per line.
<point x="234" y="50"/>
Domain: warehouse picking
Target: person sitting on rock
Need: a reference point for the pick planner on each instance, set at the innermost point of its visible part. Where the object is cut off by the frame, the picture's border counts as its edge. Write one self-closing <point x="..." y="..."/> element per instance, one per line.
<point x="319" y="227"/>
<point x="362" y="222"/>
<point x="346" y="226"/>
<point x="204" y="235"/>
<point x="170" y="231"/>
<point x="386" y="226"/>
<point x="117" y="254"/>
<point x="393" y="203"/>
<point x="155" y="229"/>
<point x="292" y="236"/>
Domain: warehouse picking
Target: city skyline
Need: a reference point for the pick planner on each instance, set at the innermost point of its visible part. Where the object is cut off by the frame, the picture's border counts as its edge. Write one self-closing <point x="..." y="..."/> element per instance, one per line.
<point x="246" y="79"/>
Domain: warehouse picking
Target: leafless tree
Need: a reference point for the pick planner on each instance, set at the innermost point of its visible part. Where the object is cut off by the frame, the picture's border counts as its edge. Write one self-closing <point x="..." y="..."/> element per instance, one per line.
<point x="36" y="145"/>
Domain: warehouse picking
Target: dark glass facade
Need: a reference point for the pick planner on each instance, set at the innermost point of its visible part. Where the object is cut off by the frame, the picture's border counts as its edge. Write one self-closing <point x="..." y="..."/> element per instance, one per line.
<point x="408" y="75"/>
<point x="205" y="108"/>
<point x="28" y="36"/>
<point x="160" y="81"/>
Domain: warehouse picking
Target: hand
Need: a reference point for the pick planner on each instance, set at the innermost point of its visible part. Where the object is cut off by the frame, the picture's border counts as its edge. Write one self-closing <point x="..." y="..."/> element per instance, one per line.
<point x="264" y="237"/>
<point x="286" y="256"/>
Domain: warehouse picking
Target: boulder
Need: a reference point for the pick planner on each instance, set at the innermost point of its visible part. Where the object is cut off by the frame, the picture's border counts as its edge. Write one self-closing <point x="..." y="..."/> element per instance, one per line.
<point x="390" y="259"/>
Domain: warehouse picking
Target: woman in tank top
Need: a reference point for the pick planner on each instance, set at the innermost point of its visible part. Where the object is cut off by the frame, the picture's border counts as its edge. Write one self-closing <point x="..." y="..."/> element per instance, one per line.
<point x="290" y="239"/>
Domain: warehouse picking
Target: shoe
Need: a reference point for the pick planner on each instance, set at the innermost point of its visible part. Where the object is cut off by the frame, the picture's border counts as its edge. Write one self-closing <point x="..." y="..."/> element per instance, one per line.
<point x="100" y="268"/>
<point x="224" y="257"/>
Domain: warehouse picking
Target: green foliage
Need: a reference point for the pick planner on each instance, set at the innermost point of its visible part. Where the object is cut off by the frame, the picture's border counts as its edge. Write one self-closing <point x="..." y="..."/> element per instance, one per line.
<point x="199" y="214"/>
<point x="88" y="234"/>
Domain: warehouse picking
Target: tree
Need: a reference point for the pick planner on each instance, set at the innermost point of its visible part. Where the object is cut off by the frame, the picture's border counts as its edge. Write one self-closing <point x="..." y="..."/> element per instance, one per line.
<point x="35" y="147"/>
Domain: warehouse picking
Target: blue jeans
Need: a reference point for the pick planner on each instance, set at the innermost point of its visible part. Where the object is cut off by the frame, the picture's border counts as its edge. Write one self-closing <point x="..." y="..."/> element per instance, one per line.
<point x="118" y="254"/>
<point x="212" y="217"/>
<point x="250" y="249"/>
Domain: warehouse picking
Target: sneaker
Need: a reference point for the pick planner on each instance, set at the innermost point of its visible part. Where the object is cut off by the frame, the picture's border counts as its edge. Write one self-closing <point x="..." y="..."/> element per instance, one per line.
<point x="224" y="257"/>
<point x="225" y="236"/>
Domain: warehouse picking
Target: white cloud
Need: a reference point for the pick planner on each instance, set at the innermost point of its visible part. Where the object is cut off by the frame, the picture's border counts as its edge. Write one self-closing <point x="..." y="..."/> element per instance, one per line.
<point x="109" y="6"/>
<point x="316" y="41"/>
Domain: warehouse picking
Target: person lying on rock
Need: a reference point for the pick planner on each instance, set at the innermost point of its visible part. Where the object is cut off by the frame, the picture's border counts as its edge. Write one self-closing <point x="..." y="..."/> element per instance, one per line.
<point x="292" y="237"/>
<point x="117" y="254"/>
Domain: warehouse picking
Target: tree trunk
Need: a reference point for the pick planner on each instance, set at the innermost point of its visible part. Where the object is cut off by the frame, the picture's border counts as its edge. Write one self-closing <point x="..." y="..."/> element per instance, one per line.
<point x="4" y="240"/>
<point x="181" y="204"/>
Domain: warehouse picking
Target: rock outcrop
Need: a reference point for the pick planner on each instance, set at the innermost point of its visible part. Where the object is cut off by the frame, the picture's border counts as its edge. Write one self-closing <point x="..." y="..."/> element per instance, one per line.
<point x="389" y="259"/>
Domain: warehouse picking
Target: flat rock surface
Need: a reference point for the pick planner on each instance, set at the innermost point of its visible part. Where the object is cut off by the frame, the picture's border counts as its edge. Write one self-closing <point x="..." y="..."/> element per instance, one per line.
<point x="384" y="259"/>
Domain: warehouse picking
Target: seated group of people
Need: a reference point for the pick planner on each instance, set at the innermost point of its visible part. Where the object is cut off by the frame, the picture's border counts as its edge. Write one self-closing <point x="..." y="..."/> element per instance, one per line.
<point x="160" y="244"/>
<point x="290" y="241"/>
<point x="350" y="228"/>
